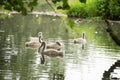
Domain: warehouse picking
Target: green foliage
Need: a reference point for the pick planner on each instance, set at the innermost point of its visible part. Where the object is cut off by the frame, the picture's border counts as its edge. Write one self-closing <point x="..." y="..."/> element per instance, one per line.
<point x="55" y="1"/>
<point x="82" y="1"/>
<point x="91" y="8"/>
<point x="109" y="9"/>
<point x="77" y="11"/>
<point x="103" y="9"/>
<point x="83" y="10"/>
<point x="22" y="6"/>
<point x="64" y="4"/>
<point x="114" y="8"/>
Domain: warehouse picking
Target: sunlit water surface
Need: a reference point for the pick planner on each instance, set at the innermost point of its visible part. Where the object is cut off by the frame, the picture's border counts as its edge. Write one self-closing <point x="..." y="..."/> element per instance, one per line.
<point x="18" y="62"/>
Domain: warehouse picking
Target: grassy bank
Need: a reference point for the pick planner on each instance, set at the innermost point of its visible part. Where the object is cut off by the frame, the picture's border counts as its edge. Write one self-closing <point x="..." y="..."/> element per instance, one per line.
<point x="93" y="8"/>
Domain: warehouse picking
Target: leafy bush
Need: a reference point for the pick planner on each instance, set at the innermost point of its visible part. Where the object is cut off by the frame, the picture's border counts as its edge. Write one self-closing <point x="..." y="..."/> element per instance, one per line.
<point x="80" y="9"/>
<point x="22" y="6"/>
<point x="77" y="11"/>
<point x="114" y="8"/>
<point x="108" y="9"/>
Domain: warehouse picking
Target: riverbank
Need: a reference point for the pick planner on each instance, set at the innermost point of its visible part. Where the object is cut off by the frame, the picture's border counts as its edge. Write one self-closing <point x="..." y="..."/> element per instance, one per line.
<point x="113" y="28"/>
<point x="37" y="13"/>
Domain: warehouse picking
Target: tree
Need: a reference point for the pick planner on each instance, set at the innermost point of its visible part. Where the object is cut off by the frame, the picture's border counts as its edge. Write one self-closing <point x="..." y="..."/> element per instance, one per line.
<point x="65" y="4"/>
<point x="22" y="6"/>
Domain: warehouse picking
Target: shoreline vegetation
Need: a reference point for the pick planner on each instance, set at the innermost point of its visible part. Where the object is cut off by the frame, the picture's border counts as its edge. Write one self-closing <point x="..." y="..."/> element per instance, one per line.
<point x="104" y="9"/>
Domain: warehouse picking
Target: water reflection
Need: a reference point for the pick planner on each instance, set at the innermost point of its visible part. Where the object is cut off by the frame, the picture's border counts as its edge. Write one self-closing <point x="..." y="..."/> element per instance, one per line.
<point x="18" y="62"/>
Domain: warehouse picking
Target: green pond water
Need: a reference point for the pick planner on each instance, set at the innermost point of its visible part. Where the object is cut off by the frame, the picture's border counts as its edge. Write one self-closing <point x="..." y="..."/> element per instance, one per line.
<point x="18" y="62"/>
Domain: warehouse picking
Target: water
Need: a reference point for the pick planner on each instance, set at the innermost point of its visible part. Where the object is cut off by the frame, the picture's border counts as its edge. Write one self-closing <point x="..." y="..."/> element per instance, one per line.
<point x="18" y="62"/>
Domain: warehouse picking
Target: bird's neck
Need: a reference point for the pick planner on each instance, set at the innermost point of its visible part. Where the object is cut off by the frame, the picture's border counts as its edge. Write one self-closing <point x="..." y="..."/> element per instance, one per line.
<point x="40" y="39"/>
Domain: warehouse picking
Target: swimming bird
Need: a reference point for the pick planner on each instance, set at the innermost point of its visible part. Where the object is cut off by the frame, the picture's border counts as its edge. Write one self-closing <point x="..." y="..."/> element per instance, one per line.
<point x="34" y="41"/>
<point x="49" y="52"/>
<point x="81" y="40"/>
<point x="57" y="45"/>
<point x="36" y="44"/>
<point x="77" y="21"/>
